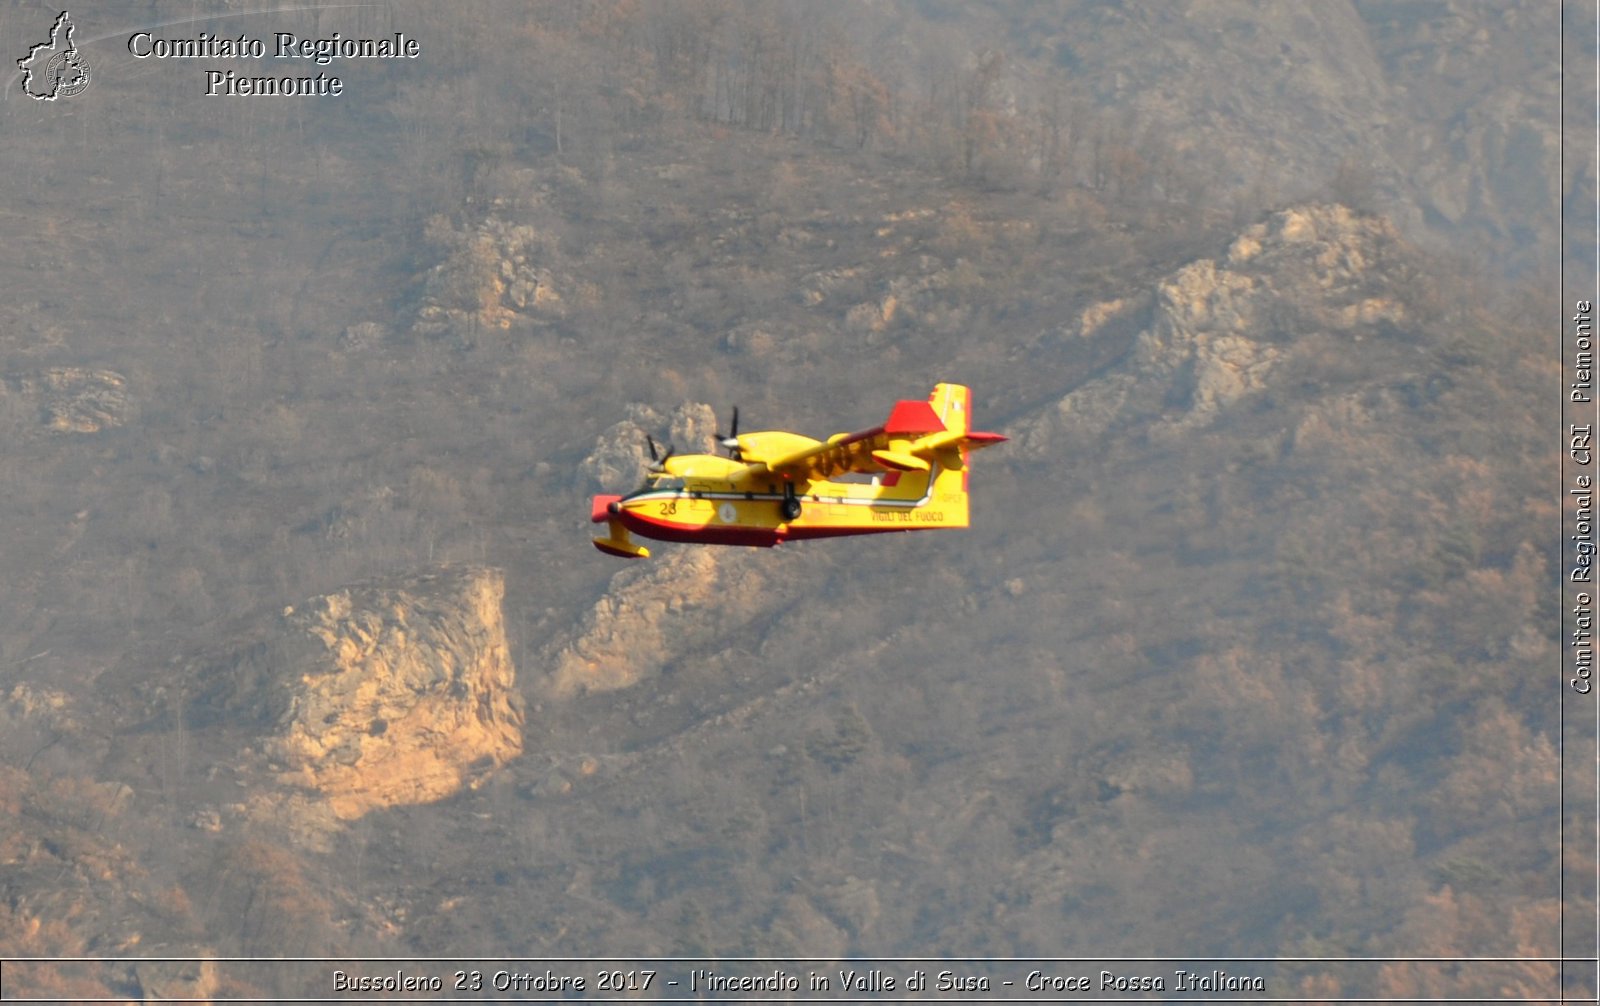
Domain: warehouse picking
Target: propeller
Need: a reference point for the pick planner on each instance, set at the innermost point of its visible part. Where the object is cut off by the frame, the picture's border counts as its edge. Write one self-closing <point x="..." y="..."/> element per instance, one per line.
<point x="658" y="459"/>
<point x="730" y="440"/>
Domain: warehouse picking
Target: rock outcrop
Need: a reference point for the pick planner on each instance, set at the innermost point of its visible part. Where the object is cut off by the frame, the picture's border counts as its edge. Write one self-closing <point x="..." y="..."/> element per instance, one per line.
<point x="380" y="694"/>
<point x="652" y="614"/>
<point x="655" y="612"/>
<point x="70" y="399"/>
<point x="491" y="276"/>
<point x="1219" y="330"/>
<point x="621" y="455"/>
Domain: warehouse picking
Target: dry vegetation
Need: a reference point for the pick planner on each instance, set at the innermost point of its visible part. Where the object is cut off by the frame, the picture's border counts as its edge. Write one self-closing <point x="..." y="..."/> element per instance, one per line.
<point x="1274" y="687"/>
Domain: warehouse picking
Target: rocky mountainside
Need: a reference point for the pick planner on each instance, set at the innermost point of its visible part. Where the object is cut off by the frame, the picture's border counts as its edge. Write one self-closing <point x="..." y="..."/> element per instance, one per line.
<point x="1308" y="281"/>
<point x="304" y="650"/>
<point x="64" y="400"/>
<point x="377" y="695"/>
<point x="1446" y="116"/>
<point x="410" y="692"/>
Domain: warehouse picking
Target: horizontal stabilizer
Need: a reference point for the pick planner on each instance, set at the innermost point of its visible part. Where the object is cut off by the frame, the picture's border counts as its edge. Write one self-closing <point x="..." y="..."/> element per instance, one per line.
<point x="899" y="461"/>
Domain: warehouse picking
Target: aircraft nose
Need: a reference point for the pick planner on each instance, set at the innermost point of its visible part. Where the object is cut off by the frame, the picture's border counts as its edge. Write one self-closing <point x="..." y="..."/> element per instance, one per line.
<point x="602" y="506"/>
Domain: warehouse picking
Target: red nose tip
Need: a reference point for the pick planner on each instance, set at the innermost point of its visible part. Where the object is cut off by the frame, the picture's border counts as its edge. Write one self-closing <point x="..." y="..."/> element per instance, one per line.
<point x="602" y="506"/>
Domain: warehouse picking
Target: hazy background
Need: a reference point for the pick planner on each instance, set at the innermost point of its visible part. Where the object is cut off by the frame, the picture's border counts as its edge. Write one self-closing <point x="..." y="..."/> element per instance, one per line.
<point x="1252" y="648"/>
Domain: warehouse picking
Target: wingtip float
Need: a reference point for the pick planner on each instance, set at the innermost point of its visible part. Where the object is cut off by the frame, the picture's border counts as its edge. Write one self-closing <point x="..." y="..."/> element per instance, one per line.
<point x="909" y="474"/>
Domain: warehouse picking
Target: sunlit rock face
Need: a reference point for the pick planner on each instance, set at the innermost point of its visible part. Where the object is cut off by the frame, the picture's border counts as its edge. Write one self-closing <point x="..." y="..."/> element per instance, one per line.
<point x="383" y="694"/>
<point x="66" y="400"/>
<point x="652" y="614"/>
<point x="492" y="277"/>
<point x="1221" y="329"/>
<point x="621" y="455"/>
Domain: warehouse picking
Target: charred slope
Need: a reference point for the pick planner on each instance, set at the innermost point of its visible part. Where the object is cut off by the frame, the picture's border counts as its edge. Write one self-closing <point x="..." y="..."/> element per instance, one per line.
<point x="1223" y="667"/>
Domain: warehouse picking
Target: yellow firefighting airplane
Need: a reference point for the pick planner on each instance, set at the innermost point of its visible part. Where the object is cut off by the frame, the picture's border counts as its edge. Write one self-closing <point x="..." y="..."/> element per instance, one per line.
<point x="910" y="474"/>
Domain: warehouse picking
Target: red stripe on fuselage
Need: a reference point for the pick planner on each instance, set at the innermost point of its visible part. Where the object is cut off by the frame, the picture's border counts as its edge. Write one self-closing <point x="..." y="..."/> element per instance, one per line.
<point x="665" y="530"/>
<point x="760" y="537"/>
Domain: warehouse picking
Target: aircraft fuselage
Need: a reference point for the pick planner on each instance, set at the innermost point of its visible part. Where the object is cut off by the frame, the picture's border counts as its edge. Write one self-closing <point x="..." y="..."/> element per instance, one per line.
<point x="729" y="514"/>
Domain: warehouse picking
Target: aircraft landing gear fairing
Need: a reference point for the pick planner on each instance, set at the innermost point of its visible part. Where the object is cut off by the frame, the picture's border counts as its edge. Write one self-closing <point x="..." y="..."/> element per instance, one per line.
<point x="790" y="507"/>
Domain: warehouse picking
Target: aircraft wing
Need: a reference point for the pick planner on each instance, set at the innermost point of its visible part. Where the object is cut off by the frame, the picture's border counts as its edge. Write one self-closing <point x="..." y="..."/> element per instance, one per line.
<point x="909" y="440"/>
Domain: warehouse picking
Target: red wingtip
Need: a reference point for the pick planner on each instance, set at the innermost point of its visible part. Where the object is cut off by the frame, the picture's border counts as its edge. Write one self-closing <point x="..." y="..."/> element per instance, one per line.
<point x="985" y="439"/>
